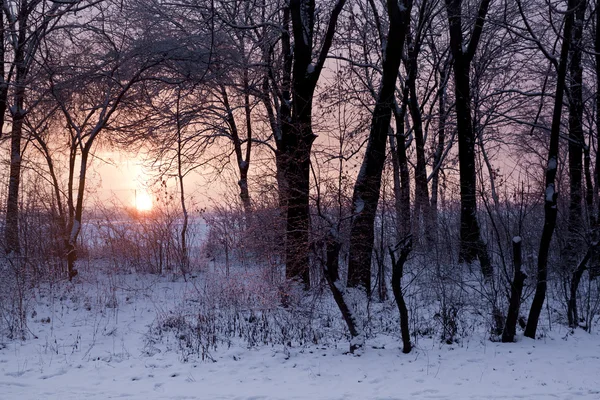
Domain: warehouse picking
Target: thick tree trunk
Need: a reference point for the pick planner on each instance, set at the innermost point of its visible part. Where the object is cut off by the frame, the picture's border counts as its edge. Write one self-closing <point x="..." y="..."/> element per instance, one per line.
<point x="594" y="269"/>
<point x="471" y="244"/>
<point x="368" y="182"/>
<point x="550" y="195"/>
<point x="297" y="150"/>
<point x="574" y="242"/>
<point x="297" y="135"/>
<point x="11" y="232"/>
<point x="516" y="290"/>
<point x="3" y="82"/>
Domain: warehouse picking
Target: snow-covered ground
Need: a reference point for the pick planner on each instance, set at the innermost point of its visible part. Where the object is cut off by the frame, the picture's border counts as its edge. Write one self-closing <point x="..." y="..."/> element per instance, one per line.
<point x="91" y="344"/>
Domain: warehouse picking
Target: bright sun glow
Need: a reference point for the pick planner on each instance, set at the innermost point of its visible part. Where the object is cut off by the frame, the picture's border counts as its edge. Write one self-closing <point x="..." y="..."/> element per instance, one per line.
<point x="143" y="201"/>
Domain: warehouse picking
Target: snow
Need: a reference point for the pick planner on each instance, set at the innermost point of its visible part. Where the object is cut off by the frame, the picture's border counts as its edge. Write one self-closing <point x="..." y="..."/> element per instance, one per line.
<point x="552" y="164"/>
<point x="74" y="231"/>
<point x="93" y="347"/>
<point x="359" y="205"/>
<point x="550" y="193"/>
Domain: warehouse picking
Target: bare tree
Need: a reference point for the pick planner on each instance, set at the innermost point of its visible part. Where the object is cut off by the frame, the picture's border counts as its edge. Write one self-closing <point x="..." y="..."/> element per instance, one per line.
<point x="25" y="23"/>
<point x="297" y="134"/>
<point x="551" y="195"/>
<point x="471" y="244"/>
<point x="368" y="182"/>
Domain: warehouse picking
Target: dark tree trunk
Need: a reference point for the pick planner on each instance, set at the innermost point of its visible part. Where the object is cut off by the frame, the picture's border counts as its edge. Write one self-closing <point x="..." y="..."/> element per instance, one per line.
<point x="397" y="273"/>
<point x="471" y="244"/>
<point x="550" y="195"/>
<point x="243" y="162"/>
<point x="297" y="135"/>
<point x="422" y="214"/>
<point x="439" y="151"/>
<point x="297" y="149"/>
<point x="573" y="314"/>
<point x="574" y="242"/>
<point x="77" y="216"/>
<point x="401" y="177"/>
<point x="331" y="273"/>
<point x="368" y="182"/>
<point x="3" y="82"/>
<point x="180" y="175"/>
<point x="597" y="50"/>
<point x="594" y="269"/>
<point x="516" y="290"/>
<point x="589" y="184"/>
<point x="11" y="232"/>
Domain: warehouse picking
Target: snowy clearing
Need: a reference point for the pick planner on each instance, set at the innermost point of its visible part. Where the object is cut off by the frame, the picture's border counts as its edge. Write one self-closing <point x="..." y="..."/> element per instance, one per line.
<point x="91" y="345"/>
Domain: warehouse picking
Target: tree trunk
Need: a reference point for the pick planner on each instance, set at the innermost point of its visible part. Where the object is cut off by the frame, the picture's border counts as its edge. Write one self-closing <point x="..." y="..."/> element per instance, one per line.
<point x="574" y="243"/>
<point x="550" y="195"/>
<point x="243" y="164"/>
<point x="471" y="244"/>
<point x="76" y="223"/>
<point x="11" y="232"/>
<point x="297" y="175"/>
<point x="331" y="273"/>
<point x="397" y="273"/>
<point x="185" y="262"/>
<point x="516" y="290"/>
<point x="297" y="135"/>
<point x="401" y="180"/>
<point x="572" y="312"/>
<point x="439" y="151"/>
<point x="3" y="81"/>
<point x="422" y="214"/>
<point x="368" y="182"/>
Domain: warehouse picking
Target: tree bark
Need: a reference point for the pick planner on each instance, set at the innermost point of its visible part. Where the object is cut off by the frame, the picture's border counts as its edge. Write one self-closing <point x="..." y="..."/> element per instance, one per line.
<point x="439" y="151"/>
<point x="180" y="175"/>
<point x="516" y="290"/>
<point x="368" y="182"/>
<point x="471" y="244"/>
<point x="11" y="231"/>
<point x="397" y="273"/>
<point x="401" y="178"/>
<point x="572" y="313"/>
<point x="331" y="273"/>
<point x="550" y="195"/>
<point x="422" y="214"/>
<point x="574" y="242"/>
<point x="77" y="217"/>
<point x="3" y="81"/>
<point x="297" y="135"/>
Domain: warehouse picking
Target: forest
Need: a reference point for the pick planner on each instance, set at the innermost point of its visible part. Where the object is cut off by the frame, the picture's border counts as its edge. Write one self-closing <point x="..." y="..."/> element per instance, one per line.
<point x="357" y="175"/>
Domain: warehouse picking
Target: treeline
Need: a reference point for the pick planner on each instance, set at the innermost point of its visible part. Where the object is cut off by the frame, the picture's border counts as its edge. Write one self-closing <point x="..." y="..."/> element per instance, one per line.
<point x="362" y="134"/>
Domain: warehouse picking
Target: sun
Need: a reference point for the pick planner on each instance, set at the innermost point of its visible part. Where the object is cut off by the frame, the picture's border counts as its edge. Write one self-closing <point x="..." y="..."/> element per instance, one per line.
<point x="143" y="201"/>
